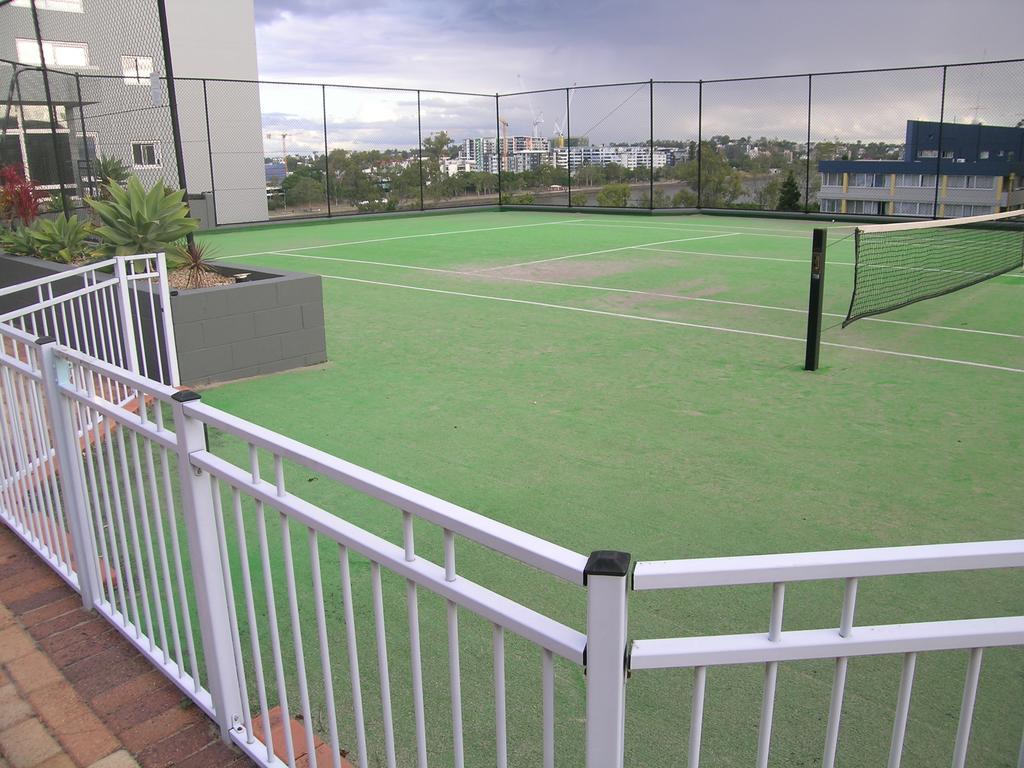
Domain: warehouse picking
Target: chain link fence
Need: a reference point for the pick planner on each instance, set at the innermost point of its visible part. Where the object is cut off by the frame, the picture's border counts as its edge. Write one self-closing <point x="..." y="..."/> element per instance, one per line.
<point x="865" y="143"/>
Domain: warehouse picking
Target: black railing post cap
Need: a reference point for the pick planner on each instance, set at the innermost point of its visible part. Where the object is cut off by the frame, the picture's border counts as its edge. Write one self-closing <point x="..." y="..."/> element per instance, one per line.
<point x="185" y="396"/>
<point x="606" y="562"/>
<point x="43" y="340"/>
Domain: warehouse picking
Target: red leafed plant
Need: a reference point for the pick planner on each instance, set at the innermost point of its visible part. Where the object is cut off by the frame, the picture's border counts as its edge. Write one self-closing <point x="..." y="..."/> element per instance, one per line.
<point x="17" y="196"/>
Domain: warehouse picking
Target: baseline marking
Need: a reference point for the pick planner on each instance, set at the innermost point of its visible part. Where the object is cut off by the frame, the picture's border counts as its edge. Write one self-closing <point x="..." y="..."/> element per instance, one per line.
<point x="606" y="250"/>
<point x="655" y="294"/>
<point x="681" y="323"/>
<point x="399" y="237"/>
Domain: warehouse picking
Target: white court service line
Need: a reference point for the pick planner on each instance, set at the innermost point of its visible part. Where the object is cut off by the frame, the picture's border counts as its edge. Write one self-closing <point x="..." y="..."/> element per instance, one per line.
<point x="654" y="294"/>
<point x="606" y="250"/>
<point x="663" y="321"/>
<point x="828" y="263"/>
<point x="733" y="230"/>
<point x="398" y="237"/>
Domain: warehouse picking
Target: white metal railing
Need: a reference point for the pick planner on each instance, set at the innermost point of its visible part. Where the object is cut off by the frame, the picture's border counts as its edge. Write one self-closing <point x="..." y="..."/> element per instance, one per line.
<point x="340" y="605"/>
<point x="839" y="643"/>
<point x="120" y="313"/>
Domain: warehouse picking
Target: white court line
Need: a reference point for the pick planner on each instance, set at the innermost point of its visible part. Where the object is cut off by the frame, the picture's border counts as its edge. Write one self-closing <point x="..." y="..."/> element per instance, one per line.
<point x="663" y="321"/>
<point x="741" y="256"/>
<point x="398" y="237"/>
<point x="606" y="250"/>
<point x="655" y="294"/>
<point x="733" y="230"/>
<point x="827" y="263"/>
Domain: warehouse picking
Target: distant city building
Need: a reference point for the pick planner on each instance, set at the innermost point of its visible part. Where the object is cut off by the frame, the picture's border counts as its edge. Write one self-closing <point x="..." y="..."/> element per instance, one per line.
<point x="981" y="171"/>
<point x="275" y="171"/>
<point x="632" y="158"/>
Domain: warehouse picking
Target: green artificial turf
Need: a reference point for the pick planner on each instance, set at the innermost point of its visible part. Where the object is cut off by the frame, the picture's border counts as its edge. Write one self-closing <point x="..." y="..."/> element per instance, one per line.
<point x="697" y="435"/>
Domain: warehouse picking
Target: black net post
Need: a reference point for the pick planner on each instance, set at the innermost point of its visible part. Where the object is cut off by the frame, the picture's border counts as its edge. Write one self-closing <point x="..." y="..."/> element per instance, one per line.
<point x="807" y="180"/>
<point x="651" y="158"/>
<point x="327" y="162"/>
<point x="938" y="157"/>
<point x="814" y="303"/>
<point x="700" y="136"/>
<point x="57" y="154"/>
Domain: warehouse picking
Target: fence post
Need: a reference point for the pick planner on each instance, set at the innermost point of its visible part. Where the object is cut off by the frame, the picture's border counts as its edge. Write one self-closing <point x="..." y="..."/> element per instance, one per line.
<point x="56" y="371"/>
<point x="605" y="657"/>
<point x="651" y="188"/>
<point x="700" y="136"/>
<point x="207" y="575"/>
<point x="167" y="321"/>
<point x="131" y="359"/>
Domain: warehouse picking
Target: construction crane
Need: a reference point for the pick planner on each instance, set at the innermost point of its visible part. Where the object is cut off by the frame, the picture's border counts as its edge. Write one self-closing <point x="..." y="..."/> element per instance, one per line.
<point x="561" y="125"/>
<point x="538" y="117"/>
<point x="284" y="145"/>
<point x="504" y="142"/>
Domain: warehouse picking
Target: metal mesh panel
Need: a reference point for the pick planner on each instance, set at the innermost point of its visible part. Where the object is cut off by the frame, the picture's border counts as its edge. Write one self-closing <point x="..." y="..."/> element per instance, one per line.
<point x="536" y="130"/>
<point x="294" y="141"/>
<point x="986" y="95"/>
<point x="449" y="121"/>
<point x="373" y="150"/>
<point x="676" y="130"/>
<point x="609" y="146"/>
<point x="755" y="135"/>
<point x="863" y="116"/>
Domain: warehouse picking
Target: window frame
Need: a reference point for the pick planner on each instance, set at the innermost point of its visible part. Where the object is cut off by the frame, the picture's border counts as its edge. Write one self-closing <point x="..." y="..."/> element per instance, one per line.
<point x="157" y="154"/>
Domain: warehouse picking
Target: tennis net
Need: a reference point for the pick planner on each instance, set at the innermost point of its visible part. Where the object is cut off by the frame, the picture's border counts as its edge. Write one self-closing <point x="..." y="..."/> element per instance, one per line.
<point x="899" y="264"/>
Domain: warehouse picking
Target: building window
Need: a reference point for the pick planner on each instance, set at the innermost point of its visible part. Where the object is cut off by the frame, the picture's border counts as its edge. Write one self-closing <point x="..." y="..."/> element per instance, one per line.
<point x="870" y="207"/>
<point x="73" y="6"/>
<point x="831" y="179"/>
<point x="904" y="208"/>
<point x="956" y="211"/>
<point x="146" y="154"/>
<point x="137" y="69"/>
<point x="829" y="206"/>
<point x="58" y="54"/>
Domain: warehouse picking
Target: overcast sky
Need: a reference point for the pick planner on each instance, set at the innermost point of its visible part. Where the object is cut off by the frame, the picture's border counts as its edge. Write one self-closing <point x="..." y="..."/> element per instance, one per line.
<point x="497" y="45"/>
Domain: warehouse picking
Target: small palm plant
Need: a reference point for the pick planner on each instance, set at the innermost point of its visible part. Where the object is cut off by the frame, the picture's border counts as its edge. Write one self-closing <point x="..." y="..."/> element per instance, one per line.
<point x="195" y="260"/>
<point x="136" y="221"/>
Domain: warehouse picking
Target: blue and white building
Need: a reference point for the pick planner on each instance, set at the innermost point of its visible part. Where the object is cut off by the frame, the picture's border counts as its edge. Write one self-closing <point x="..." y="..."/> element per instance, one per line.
<point x="981" y="171"/>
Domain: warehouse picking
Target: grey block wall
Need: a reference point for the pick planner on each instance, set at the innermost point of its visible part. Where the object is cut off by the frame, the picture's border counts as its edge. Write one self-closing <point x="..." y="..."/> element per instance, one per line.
<point x="264" y="326"/>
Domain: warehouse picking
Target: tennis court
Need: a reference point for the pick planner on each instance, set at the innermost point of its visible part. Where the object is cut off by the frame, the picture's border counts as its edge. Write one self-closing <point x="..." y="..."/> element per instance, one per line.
<point x="636" y="383"/>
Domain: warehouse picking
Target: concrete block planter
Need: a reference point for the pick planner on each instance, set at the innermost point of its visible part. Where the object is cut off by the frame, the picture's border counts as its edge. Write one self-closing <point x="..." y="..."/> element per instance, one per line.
<point x="270" y="321"/>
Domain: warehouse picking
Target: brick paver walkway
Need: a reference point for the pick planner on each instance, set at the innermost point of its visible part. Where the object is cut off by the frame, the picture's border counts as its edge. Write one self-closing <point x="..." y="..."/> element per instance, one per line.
<point x="73" y="692"/>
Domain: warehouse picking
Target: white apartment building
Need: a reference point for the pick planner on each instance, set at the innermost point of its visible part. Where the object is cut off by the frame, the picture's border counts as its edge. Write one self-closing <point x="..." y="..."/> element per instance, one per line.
<point x="127" y="116"/>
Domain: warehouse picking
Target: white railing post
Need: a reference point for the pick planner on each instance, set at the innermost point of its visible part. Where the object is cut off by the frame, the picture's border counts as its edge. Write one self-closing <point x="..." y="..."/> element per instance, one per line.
<point x="605" y="658"/>
<point x="131" y="356"/>
<point x="56" y="371"/>
<point x="207" y="575"/>
<point x="166" y="318"/>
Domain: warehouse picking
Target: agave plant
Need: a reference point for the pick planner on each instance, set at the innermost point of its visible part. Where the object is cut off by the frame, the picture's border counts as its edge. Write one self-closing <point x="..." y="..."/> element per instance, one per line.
<point x="136" y="221"/>
<point x="111" y="171"/>
<point x="195" y="260"/>
<point x="61" y="239"/>
<point x="20" y="241"/>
